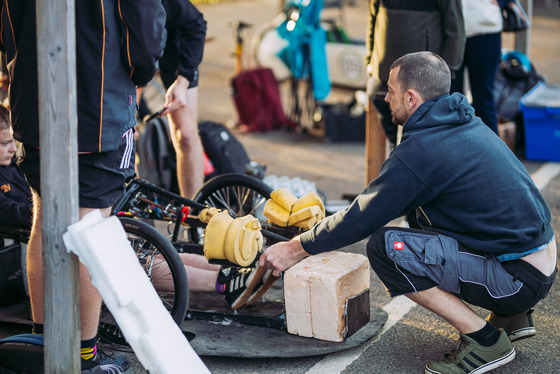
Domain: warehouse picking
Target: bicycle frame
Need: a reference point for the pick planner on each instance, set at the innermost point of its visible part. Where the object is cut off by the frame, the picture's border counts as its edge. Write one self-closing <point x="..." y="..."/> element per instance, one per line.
<point x="143" y="199"/>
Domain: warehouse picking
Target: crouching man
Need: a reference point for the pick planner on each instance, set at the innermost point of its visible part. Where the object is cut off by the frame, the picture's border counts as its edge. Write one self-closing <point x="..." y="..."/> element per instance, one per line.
<point x="483" y="232"/>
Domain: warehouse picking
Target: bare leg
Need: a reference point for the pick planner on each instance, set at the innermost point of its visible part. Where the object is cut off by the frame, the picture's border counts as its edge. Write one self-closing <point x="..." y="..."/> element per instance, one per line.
<point x="200" y="274"/>
<point x="200" y="280"/>
<point x="198" y="261"/>
<point x="184" y="133"/>
<point x="90" y="300"/>
<point x="449" y="307"/>
<point x="35" y="263"/>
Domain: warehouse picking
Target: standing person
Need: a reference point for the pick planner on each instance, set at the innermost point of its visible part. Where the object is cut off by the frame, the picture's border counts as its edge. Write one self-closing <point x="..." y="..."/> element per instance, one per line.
<point x="483" y="49"/>
<point x="15" y="195"/>
<point x="398" y="27"/>
<point x="183" y="52"/>
<point x="118" y="43"/>
<point x="485" y="234"/>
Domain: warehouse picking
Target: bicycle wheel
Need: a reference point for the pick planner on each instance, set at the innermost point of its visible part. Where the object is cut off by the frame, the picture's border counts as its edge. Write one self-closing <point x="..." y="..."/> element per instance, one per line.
<point x="239" y="194"/>
<point x="163" y="265"/>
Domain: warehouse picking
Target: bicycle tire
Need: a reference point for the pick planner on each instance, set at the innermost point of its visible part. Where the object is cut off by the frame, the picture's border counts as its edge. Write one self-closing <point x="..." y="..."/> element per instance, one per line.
<point x="239" y="194"/>
<point x="147" y="242"/>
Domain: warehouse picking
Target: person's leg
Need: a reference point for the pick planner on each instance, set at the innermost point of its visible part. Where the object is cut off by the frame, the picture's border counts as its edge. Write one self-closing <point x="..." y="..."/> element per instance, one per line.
<point x="424" y="266"/>
<point x="90" y="300"/>
<point x="188" y="147"/>
<point x="201" y="275"/>
<point x="198" y="261"/>
<point x="101" y="184"/>
<point x="35" y="264"/>
<point x="458" y="81"/>
<point x="482" y="58"/>
<point x="449" y="307"/>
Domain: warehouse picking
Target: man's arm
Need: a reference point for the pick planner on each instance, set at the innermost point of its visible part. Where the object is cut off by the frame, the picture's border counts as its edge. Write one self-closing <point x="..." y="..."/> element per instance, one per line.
<point x="391" y="195"/>
<point x="14" y="213"/>
<point x="187" y="30"/>
<point x="454" y="37"/>
<point x="144" y="37"/>
<point x="187" y="24"/>
<point x="396" y="191"/>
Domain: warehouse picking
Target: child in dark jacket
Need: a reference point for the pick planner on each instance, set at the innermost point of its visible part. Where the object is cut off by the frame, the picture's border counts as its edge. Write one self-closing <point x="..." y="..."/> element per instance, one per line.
<point x="15" y="196"/>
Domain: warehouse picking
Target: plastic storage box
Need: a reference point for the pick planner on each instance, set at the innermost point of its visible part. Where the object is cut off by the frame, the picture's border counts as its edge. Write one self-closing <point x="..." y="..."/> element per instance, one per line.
<point x="541" y="115"/>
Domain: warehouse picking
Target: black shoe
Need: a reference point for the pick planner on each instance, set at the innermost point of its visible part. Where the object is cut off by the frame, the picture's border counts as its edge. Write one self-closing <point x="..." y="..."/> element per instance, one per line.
<point x="264" y="284"/>
<point x="518" y="326"/>
<point x="102" y="363"/>
<point x="239" y="284"/>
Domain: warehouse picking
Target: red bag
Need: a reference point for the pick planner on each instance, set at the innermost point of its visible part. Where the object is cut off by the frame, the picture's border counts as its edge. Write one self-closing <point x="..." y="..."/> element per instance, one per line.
<point x="257" y="100"/>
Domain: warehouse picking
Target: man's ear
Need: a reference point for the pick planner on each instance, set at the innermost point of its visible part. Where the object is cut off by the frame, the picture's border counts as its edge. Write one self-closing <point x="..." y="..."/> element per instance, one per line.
<point x="412" y="99"/>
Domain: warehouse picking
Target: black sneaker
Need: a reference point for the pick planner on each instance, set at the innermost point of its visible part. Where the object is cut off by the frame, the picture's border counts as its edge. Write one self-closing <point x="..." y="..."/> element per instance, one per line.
<point x="102" y="363"/>
<point x="518" y="326"/>
<point x="264" y="284"/>
<point x="239" y="284"/>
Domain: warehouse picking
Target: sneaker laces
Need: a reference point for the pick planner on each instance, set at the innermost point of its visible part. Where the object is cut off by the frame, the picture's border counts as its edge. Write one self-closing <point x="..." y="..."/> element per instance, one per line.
<point x="103" y="355"/>
<point x="453" y="355"/>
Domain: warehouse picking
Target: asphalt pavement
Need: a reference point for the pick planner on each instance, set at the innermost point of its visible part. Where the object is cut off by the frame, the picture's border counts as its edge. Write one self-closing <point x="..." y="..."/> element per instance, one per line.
<point x="412" y="336"/>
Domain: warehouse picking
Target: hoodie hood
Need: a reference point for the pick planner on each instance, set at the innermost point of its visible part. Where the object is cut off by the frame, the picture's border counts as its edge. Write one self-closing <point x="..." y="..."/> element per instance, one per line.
<point x="445" y="110"/>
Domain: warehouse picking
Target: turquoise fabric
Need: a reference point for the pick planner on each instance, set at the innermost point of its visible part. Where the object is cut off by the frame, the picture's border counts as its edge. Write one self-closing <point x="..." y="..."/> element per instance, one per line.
<point x="305" y="54"/>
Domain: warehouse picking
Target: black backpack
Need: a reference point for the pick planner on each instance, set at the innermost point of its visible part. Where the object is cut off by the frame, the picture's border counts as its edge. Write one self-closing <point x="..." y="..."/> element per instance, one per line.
<point x="514" y="78"/>
<point x="156" y="155"/>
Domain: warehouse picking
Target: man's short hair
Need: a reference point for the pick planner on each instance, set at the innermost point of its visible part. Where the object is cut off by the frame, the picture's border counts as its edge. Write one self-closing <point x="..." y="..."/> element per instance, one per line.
<point x="4" y="118"/>
<point x="425" y="72"/>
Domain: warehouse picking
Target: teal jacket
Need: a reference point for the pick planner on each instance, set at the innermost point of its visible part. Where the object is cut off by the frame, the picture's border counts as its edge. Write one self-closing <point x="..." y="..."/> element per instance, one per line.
<point x="460" y="178"/>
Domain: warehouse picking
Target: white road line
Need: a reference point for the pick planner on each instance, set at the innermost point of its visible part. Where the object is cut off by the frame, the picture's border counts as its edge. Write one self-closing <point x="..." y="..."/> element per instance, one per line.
<point x="545" y="174"/>
<point x="399" y="306"/>
<point x="337" y="362"/>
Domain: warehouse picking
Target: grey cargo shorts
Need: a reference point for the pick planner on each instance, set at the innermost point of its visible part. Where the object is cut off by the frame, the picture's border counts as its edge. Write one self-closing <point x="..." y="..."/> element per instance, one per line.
<point x="409" y="260"/>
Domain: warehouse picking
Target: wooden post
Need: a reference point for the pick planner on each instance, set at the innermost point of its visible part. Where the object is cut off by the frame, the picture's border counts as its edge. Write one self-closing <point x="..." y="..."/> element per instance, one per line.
<point x="375" y="143"/>
<point x="56" y="54"/>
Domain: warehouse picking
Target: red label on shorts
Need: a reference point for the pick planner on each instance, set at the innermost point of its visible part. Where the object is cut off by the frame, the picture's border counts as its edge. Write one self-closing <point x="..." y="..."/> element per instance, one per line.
<point x="399" y="246"/>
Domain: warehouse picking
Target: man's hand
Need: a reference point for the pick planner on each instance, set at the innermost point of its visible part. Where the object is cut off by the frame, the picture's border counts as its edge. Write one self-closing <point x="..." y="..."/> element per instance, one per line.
<point x="282" y="256"/>
<point x="176" y="96"/>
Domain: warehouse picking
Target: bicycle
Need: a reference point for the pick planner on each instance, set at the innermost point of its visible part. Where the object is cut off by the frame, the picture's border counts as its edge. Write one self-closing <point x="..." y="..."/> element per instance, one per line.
<point x="238" y="27"/>
<point x="345" y="60"/>
<point x="238" y="194"/>
<point x="158" y="258"/>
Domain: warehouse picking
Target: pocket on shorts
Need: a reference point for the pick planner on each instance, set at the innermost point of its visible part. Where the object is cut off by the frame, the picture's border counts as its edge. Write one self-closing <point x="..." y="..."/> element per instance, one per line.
<point x="430" y="256"/>
<point x="407" y="247"/>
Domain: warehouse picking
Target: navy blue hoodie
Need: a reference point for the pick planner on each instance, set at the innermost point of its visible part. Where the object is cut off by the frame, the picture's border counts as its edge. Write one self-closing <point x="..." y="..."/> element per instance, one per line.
<point x="460" y="177"/>
<point x="15" y="197"/>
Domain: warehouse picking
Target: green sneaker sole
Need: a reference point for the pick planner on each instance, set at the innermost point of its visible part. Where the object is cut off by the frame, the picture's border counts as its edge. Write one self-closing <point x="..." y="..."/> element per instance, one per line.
<point x="484" y="368"/>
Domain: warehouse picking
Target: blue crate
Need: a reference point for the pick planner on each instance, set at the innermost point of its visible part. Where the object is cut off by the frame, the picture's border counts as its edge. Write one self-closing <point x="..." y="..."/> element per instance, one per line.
<point x="541" y="116"/>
